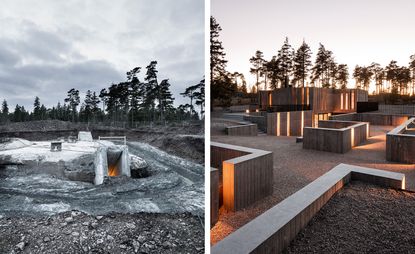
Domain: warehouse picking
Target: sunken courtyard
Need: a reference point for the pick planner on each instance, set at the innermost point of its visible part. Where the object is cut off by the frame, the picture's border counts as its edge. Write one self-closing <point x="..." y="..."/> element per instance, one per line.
<point x="290" y="175"/>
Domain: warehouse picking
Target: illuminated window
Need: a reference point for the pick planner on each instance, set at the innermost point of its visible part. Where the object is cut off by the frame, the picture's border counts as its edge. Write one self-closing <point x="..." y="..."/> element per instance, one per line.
<point x="270" y="99"/>
<point x="341" y="101"/>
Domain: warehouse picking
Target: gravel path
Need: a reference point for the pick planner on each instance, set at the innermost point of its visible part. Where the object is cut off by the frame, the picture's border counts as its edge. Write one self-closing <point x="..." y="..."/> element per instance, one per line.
<point x="361" y="218"/>
<point x="295" y="167"/>
<point x="76" y="232"/>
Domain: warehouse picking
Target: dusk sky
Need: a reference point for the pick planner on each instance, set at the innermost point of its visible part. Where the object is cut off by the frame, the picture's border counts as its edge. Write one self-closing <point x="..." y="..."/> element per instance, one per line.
<point x="48" y="46"/>
<point x="358" y="32"/>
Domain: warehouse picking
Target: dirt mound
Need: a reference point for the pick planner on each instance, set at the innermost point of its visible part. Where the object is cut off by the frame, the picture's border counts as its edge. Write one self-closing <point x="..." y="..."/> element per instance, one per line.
<point x="186" y="146"/>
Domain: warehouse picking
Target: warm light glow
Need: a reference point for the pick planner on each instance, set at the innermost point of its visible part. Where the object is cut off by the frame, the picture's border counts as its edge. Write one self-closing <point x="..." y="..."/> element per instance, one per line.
<point x="367" y="131"/>
<point x="270" y="99"/>
<point x="247" y="111"/>
<point x="256" y="110"/>
<point x="352" y="137"/>
<point x="288" y="123"/>
<point x="112" y="170"/>
<point x="341" y="101"/>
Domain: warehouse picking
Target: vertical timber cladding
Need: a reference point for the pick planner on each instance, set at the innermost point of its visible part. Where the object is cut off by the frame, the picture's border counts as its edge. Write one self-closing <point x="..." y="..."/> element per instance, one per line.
<point x="288" y="123"/>
<point x="214" y="196"/>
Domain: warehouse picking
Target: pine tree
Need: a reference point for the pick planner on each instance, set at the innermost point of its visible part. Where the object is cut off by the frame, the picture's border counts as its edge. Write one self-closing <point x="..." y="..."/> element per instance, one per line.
<point x="165" y="99"/>
<point x="36" y="109"/>
<point x="217" y="54"/>
<point x="412" y="69"/>
<point x="285" y="60"/>
<point x="378" y="75"/>
<point x="274" y="72"/>
<point x="4" y="111"/>
<point x="342" y="75"/>
<point x="73" y="100"/>
<point x="200" y="96"/>
<point x="302" y="63"/>
<point x="257" y="68"/>
<point x="324" y="68"/>
<point x="151" y="89"/>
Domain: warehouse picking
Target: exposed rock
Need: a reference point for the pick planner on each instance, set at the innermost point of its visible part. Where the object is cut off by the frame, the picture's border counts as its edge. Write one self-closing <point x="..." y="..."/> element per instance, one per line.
<point x="80" y="169"/>
<point x="20" y="245"/>
<point x="139" y="167"/>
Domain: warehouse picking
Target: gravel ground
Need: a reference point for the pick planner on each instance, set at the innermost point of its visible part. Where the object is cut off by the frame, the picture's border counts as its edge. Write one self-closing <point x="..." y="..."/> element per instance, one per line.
<point x="295" y="167"/>
<point x="76" y="232"/>
<point x="361" y="218"/>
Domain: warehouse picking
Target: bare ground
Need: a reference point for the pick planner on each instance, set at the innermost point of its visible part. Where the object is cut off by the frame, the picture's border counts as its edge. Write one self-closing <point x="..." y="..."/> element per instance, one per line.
<point x="361" y="218"/>
<point x="76" y="232"/>
<point x="295" y="167"/>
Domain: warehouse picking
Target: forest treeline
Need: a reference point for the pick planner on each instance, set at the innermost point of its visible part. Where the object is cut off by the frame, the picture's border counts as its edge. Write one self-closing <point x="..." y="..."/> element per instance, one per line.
<point x="294" y="68"/>
<point x="131" y="101"/>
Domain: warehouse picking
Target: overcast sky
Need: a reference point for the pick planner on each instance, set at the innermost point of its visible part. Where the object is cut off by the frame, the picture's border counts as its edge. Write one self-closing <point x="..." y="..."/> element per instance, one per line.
<point x="49" y="46"/>
<point x="357" y="31"/>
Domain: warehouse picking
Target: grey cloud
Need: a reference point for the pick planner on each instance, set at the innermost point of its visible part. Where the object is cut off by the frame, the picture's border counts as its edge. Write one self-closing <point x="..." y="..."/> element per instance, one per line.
<point x="90" y="44"/>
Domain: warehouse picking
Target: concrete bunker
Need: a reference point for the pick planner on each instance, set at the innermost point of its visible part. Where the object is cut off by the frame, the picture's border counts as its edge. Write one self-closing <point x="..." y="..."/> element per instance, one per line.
<point x="111" y="162"/>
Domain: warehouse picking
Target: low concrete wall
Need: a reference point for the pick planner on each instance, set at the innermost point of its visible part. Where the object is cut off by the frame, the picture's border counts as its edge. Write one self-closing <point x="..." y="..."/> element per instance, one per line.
<point x="337" y="137"/>
<point x="242" y="130"/>
<point x="247" y="174"/>
<point x="214" y="196"/>
<point x="397" y="109"/>
<point x="288" y="123"/>
<point x="400" y="144"/>
<point x="372" y="118"/>
<point x="255" y="117"/>
<point x="272" y="231"/>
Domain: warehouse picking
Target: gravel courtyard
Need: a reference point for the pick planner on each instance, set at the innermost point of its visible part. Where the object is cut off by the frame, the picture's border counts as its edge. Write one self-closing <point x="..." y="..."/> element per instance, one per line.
<point x="295" y="167"/>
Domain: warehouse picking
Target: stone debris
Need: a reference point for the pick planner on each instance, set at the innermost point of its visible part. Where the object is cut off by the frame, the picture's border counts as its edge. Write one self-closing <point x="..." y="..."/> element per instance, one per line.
<point x="120" y="233"/>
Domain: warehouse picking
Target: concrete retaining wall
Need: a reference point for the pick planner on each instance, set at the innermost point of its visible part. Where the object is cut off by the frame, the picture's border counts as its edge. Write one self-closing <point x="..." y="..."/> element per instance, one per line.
<point x="397" y="109"/>
<point x="400" y="144"/>
<point x="247" y="177"/>
<point x="337" y="137"/>
<point x="261" y="121"/>
<point x="272" y="231"/>
<point x="372" y="118"/>
<point x="214" y="196"/>
<point x="242" y="130"/>
<point x="288" y="123"/>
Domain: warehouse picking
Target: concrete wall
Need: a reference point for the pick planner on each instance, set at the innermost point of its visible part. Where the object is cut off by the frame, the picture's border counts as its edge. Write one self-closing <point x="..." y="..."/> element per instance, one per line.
<point x="319" y="100"/>
<point x="400" y="145"/>
<point x="259" y="120"/>
<point x="272" y="231"/>
<point x="214" y="196"/>
<point x="397" y="109"/>
<point x="336" y="140"/>
<point x="242" y="130"/>
<point x="246" y="178"/>
<point x="372" y="118"/>
<point x="288" y="123"/>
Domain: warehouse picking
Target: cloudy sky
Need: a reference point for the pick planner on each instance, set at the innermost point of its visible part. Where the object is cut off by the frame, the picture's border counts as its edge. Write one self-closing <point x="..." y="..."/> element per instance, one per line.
<point x="48" y="46"/>
<point x="357" y="31"/>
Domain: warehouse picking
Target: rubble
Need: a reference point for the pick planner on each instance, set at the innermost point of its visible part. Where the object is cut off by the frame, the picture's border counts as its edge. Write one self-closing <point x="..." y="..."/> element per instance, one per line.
<point x="119" y="233"/>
